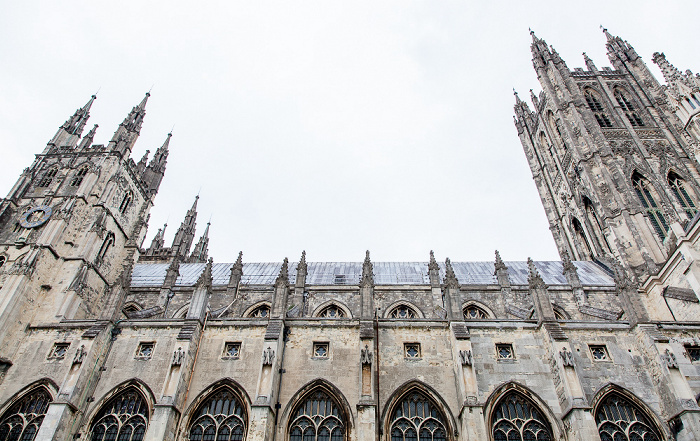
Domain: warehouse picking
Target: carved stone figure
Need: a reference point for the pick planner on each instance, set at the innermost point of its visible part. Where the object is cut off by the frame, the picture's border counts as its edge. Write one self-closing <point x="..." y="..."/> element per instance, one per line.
<point x="366" y="355"/>
<point x="465" y="357"/>
<point x="268" y="356"/>
<point x="178" y="357"/>
<point x="567" y="358"/>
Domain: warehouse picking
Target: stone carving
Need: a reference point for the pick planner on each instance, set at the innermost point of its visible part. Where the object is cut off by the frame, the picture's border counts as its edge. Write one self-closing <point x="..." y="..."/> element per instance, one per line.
<point x="534" y="279"/>
<point x="283" y="277"/>
<point x="433" y="265"/>
<point x="268" y="356"/>
<point x="450" y="276"/>
<point x="366" y="355"/>
<point x="79" y="355"/>
<point x="567" y="358"/>
<point x="466" y="357"/>
<point x="670" y="359"/>
<point x="499" y="265"/>
<point x="178" y="357"/>
<point x="367" y="272"/>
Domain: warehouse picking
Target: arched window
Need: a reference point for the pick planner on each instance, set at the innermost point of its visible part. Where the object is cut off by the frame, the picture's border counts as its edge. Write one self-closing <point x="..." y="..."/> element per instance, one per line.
<point x="678" y="187"/>
<point x="221" y="417"/>
<point x="417" y="417"/>
<point x="106" y="245"/>
<point x="595" y="223"/>
<point x="620" y="420"/>
<point x="260" y="311"/>
<point x="403" y="312"/>
<point x="332" y="311"/>
<point x="653" y="212"/>
<point x="516" y="418"/>
<point x="317" y="418"/>
<point x="128" y="197"/>
<point x="473" y="312"/>
<point x="78" y="178"/>
<point x="582" y="238"/>
<point x="628" y="108"/>
<point x="23" y="419"/>
<point x="594" y="103"/>
<point x="123" y="418"/>
<point x="48" y="177"/>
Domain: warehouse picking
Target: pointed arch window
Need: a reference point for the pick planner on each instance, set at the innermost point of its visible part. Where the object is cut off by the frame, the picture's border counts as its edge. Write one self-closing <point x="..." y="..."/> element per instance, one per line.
<point x="581" y="236"/>
<point x="594" y="221"/>
<point x="403" y="312"/>
<point x="595" y="105"/>
<point x="23" y="419"/>
<point x="656" y="217"/>
<point x="318" y="418"/>
<point x="222" y="417"/>
<point x="123" y="418"/>
<point x="618" y="419"/>
<point x="126" y="202"/>
<point x="332" y="311"/>
<point x="260" y="312"/>
<point x="473" y="312"/>
<point x="417" y="417"/>
<point x="106" y="245"/>
<point x="516" y="418"/>
<point x="48" y="177"/>
<point x="678" y="186"/>
<point x="629" y="109"/>
<point x="78" y="178"/>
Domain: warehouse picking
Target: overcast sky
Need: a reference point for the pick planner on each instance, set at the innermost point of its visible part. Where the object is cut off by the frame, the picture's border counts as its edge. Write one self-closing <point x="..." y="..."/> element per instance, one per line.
<point x="328" y="126"/>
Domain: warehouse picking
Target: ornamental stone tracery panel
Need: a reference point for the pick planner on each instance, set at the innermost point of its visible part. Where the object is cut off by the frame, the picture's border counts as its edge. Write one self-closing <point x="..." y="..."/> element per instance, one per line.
<point x="221" y="417"/>
<point x="23" y="419"/>
<point x="123" y="418"/>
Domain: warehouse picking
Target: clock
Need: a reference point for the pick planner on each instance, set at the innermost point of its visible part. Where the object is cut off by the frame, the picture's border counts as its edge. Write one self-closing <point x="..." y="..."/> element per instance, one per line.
<point x="35" y="217"/>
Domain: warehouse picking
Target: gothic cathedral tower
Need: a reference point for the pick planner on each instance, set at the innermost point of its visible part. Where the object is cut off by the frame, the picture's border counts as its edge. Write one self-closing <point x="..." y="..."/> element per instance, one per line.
<point x="71" y="227"/>
<point x="617" y="178"/>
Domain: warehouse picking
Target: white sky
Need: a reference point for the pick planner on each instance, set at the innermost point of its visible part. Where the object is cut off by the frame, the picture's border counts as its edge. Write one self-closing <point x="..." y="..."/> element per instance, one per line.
<point x="328" y="126"/>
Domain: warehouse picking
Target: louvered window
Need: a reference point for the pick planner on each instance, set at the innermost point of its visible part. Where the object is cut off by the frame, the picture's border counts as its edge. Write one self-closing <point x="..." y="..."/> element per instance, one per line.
<point x="627" y="107"/>
<point x="678" y="187"/>
<point x="595" y="105"/>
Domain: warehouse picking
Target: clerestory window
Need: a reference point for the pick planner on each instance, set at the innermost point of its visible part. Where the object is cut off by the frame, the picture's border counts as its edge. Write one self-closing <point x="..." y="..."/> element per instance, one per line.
<point x="653" y="212"/>
<point x="678" y="186"/>
<point x="473" y="312"/>
<point x="595" y="105"/>
<point x="123" y="418"/>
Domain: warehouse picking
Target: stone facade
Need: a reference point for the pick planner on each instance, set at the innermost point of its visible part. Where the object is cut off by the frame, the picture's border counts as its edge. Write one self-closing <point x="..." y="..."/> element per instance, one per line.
<point x="104" y="339"/>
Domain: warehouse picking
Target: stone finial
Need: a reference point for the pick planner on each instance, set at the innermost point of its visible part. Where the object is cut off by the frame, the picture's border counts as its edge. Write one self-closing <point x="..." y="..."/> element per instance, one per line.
<point x="567" y="264"/>
<point x="533" y="277"/>
<point x="499" y="265"/>
<point x="205" y="278"/>
<point x="433" y="265"/>
<point x="367" y="272"/>
<point x="589" y="63"/>
<point x="237" y="268"/>
<point x="450" y="276"/>
<point x="302" y="267"/>
<point x="283" y="276"/>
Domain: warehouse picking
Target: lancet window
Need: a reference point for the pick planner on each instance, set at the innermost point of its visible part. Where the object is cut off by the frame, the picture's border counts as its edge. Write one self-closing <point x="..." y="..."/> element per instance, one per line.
<point x="595" y="105"/>
<point x="260" y="311"/>
<point x="222" y="417"/>
<point x="106" y="245"/>
<point x="48" y="177"/>
<point x="678" y="187"/>
<point x="627" y="107"/>
<point x="654" y="213"/>
<point x="128" y="197"/>
<point x="23" y="419"/>
<point x="417" y="417"/>
<point x="78" y="178"/>
<point x="473" y="312"/>
<point x="402" y="312"/>
<point x="620" y="420"/>
<point x="123" y="418"/>
<point x="332" y="311"/>
<point x="516" y="418"/>
<point x="317" y="418"/>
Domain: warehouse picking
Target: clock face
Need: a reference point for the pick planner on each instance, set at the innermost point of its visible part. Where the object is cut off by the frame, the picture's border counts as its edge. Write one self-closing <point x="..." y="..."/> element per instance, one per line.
<point x="35" y="217"/>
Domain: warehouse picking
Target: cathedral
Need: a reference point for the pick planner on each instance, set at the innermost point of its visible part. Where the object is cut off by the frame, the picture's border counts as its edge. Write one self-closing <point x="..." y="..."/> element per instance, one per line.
<point x="106" y="338"/>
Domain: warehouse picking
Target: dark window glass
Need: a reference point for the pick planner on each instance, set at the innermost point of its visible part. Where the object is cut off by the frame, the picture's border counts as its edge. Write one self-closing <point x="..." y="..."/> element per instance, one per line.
<point x="678" y="187"/>
<point x="317" y="418"/>
<point x="23" y="419"/>
<point x="220" y="417"/>
<point x="416" y="418"/>
<point x="654" y="214"/>
<point x="517" y="418"/>
<point x="620" y="420"/>
<point x="123" y="418"/>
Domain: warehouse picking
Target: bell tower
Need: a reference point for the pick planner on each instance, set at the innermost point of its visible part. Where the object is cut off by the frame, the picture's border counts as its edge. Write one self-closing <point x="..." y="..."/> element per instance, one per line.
<point x="616" y="177"/>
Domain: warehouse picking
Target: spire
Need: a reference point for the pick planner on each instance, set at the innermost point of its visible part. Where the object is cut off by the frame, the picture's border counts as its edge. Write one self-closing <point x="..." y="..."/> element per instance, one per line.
<point x="86" y="142"/>
<point x="533" y="276"/>
<point x="185" y="234"/>
<point x="302" y="266"/>
<point x="128" y="132"/>
<point x="589" y="63"/>
<point x="157" y="242"/>
<point x="619" y="51"/>
<point x="283" y="276"/>
<point x="367" y="272"/>
<point x="540" y="51"/>
<point x="607" y="34"/>
<point x="205" y="278"/>
<point x="76" y="123"/>
<point x="499" y="265"/>
<point x="450" y="276"/>
<point x="199" y="254"/>
<point x="433" y="265"/>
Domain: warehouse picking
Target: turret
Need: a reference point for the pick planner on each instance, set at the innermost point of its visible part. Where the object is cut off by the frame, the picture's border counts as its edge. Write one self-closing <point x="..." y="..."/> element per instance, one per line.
<point x="128" y="132"/>
<point x="152" y="175"/>
<point x="185" y="234"/>
<point x="199" y="254"/>
<point x="70" y="131"/>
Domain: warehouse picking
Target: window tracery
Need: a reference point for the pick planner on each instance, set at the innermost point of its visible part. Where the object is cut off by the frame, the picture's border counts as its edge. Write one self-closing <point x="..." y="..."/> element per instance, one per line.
<point x="516" y="418"/>
<point x="654" y="213"/>
<point x="332" y="311"/>
<point x="23" y="419"/>
<point x="629" y="109"/>
<point x="678" y="187"/>
<point x="403" y="312"/>
<point x="620" y="420"/>
<point x="78" y="178"/>
<point x="123" y="418"/>
<point x="317" y="418"/>
<point x="595" y="105"/>
<point x="260" y="312"/>
<point x="48" y="177"/>
<point x="222" y="417"/>
<point x="417" y="417"/>
<point x="473" y="312"/>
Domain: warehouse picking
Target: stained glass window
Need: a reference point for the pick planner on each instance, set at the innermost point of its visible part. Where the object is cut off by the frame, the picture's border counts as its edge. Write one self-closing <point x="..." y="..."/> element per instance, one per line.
<point x="516" y="418"/>
<point x="620" y="420"/>
<point x="123" y="418"/>
<point x="23" y="419"/>
<point x="417" y="417"/>
<point x="221" y="417"/>
<point x="317" y="418"/>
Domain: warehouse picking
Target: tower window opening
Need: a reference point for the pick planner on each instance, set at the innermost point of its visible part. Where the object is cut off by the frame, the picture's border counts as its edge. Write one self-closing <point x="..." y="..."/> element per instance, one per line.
<point x="78" y="178"/>
<point x="48" y="177"/>
<point x="627" y="107"/>
<point x="106" y="245"/>
<point x="678" y="187"/>
<point x="597" y="108"/>
<point x="653" y="212"/>
<point x="126" y="202"/>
